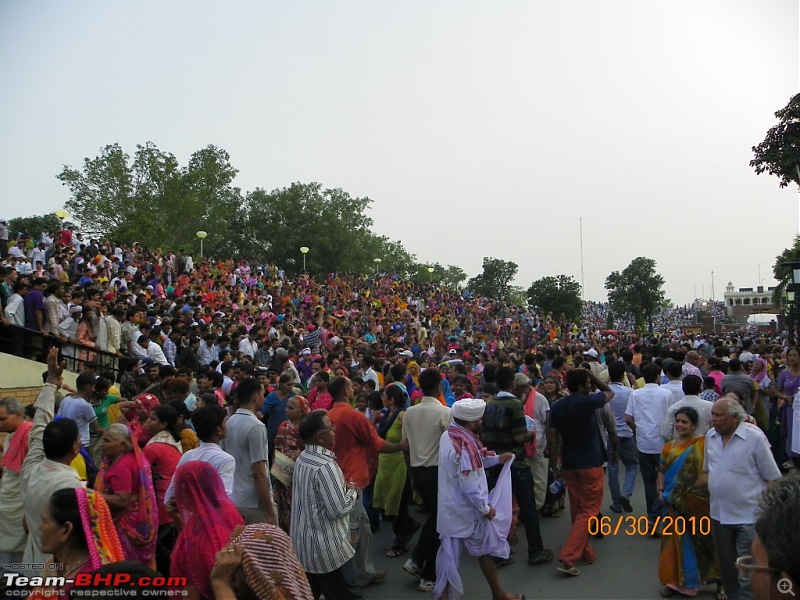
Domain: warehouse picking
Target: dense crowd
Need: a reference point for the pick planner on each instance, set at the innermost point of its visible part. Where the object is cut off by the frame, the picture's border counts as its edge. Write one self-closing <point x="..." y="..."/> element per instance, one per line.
<point x="246" y="431"/>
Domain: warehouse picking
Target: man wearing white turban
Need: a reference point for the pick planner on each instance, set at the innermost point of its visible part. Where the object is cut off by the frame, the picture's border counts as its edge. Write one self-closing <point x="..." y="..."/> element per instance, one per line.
<point x="464" y="508"/>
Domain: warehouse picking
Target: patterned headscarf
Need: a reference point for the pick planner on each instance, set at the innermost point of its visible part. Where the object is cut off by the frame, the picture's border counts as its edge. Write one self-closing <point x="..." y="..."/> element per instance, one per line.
<point x="208" y="517"/>
<point x="270" y="564"/>
<point x="98" y="526"/>
<point x="302" y="404"/>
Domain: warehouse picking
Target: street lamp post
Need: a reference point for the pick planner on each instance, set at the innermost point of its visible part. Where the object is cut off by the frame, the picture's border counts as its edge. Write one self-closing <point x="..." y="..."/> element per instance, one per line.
<point x="201" y="235"/>
<point x="430" y="274"/>
<point x="304" y="251"/>
<point x="377" y="262"/>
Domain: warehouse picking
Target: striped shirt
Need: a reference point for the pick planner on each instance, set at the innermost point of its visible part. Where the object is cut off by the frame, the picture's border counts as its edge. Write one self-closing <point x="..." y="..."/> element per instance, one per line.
<point x="321" y="504"/>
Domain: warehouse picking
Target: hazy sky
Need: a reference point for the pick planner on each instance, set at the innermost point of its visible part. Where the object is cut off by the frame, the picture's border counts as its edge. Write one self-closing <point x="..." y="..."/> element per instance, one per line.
<point x="477" y="128"/>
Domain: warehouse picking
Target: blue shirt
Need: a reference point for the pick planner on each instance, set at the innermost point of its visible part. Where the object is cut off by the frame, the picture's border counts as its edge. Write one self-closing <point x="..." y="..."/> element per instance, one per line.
<point x="274" y="410"/>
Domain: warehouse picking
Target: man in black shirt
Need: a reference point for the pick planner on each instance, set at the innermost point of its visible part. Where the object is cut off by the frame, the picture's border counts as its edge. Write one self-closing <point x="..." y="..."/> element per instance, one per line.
<point x="573" y="422"/>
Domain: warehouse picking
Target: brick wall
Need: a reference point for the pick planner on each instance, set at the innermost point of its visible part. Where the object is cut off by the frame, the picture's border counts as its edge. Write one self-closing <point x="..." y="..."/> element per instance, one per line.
<point x="26" y="395"/>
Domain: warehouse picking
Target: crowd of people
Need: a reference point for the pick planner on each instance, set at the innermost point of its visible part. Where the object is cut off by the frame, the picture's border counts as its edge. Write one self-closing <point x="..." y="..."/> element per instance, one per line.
<point x="249" y="432"/>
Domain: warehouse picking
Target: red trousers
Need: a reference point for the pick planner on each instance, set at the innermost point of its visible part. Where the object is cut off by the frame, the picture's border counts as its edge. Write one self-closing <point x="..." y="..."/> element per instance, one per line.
<point x="585" y="489"/>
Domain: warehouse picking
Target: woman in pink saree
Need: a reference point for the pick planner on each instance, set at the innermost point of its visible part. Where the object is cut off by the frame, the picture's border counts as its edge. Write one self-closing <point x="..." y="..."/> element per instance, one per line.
<point x="208" y="518"/>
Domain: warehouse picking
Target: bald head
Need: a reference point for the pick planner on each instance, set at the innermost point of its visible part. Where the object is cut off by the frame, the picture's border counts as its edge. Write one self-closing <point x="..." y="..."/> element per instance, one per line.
<point x="692" y="357"/>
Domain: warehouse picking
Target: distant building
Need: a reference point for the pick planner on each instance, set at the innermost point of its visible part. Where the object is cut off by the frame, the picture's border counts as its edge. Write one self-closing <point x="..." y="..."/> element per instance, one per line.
<point x="744" y="302"/>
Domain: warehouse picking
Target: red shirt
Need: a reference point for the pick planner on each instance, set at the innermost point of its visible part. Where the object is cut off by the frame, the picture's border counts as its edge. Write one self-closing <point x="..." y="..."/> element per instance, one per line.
<point x="356" y="439"/>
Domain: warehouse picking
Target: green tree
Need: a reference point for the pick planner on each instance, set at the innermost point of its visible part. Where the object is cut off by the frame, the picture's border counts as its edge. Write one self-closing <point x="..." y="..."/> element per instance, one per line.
<point x="495" y="280"/>
<point x="637" y="291"/>
<point x="779" y="153"/>
<point x="782" y="272"/>
<point x="516" y="296"/>
<point x="333" y="225"/>
<point x="151" y="199"/>
<point x="35" y="225"/>
<point x="452" y="277"/>
<point x="557" y="295"/>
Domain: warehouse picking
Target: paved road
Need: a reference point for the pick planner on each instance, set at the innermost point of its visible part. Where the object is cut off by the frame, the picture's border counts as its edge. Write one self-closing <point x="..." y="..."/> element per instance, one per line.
<point x="627" y="567"/>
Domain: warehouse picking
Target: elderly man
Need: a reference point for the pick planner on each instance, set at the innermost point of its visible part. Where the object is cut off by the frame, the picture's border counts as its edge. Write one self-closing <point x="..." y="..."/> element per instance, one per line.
<point x="464" y="511"/>
<point x="356" y="439"/>
<point x="321" y="505"/>
<point x="737" y="466"/>
<point x="775" y="564"/>
<point x="12" y="534"/>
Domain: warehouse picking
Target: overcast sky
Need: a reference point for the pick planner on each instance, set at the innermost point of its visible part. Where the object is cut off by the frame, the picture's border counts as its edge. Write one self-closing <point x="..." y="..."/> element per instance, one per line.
<point x="477" y="128"/>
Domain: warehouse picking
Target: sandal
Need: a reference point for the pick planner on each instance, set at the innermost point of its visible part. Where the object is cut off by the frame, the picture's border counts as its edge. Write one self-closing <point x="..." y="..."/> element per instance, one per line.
<point x="667" y="592"/>
<point x="721" y="595"/>
<point x="398" y="551"/>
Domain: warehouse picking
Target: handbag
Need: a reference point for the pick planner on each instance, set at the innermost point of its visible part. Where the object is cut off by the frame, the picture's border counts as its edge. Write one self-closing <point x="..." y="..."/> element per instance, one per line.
<point x="282" y="468"/>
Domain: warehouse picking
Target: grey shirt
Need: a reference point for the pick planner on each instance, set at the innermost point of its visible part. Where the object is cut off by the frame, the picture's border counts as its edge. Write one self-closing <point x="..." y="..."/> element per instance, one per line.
<point x="247" y="443"/>
<point x="736" y="381"/>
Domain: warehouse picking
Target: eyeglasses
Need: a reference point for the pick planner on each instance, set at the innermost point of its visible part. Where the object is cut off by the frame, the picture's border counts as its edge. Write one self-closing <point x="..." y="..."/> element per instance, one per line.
<point x="745" y="566"/>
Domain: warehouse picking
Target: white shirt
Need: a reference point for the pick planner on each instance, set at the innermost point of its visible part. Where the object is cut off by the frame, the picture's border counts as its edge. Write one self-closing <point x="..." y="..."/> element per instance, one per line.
<point x="15" y="310"/>
<point x="371" y="375"/>
<point x="155" y="352"/>
<point x="248" y="348"/>
<point x="647" y="406"/>
<point x="211" y="453"/>
<point x="738" y="473"/>
<point x="675" y="387"/>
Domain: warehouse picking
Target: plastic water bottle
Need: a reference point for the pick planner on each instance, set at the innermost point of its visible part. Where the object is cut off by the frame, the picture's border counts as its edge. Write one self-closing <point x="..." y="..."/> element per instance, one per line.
<point x="557" y="487"/>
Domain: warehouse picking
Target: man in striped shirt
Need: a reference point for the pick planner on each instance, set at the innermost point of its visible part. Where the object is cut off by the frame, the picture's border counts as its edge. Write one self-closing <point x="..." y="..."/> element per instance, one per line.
<point x="321" y="505"/>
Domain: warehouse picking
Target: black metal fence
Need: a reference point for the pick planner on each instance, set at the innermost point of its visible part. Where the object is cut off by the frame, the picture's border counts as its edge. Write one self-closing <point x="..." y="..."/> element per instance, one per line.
<point x="34" y="345"/>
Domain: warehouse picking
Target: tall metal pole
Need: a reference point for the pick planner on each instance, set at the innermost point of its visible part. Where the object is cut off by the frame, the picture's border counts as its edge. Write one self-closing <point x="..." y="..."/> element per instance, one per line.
<point x="201" y="248"/>
<point x="712" y="286"/>
<point x="583" y="283"/>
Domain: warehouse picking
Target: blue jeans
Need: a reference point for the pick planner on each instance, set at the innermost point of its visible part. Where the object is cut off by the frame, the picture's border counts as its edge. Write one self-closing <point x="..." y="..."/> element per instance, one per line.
<point x="628" y="457"/>
<point x="649" y="463"/>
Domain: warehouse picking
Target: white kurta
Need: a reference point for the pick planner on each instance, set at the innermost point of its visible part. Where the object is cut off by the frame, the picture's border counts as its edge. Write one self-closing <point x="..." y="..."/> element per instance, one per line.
<point x="12" y="535"/>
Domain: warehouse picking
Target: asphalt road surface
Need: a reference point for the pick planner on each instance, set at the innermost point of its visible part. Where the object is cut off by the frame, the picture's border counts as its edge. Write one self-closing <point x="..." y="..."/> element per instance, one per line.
<point x="626" y="568"/>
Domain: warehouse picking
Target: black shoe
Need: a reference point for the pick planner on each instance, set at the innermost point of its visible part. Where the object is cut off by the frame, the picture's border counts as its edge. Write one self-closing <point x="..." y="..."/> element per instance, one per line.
<point x="626" y="504"/>
<point x="599" y="535"/>
<point x="545" y="556"/>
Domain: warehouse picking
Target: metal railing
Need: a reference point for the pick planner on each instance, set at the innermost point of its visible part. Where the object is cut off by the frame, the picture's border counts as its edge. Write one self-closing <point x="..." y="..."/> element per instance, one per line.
<point x="34" y="345"/>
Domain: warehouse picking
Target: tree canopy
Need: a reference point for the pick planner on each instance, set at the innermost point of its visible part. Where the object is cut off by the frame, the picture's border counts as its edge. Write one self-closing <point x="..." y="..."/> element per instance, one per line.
<point x="495" y="279"/>
<point x="35" y="224"/>
<point x="556" y="295"/>
<point x="783" y="272"/>
<point x="637" y="291"/>
<point x="151" y="199"/>
<point x="779" y="153"/>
